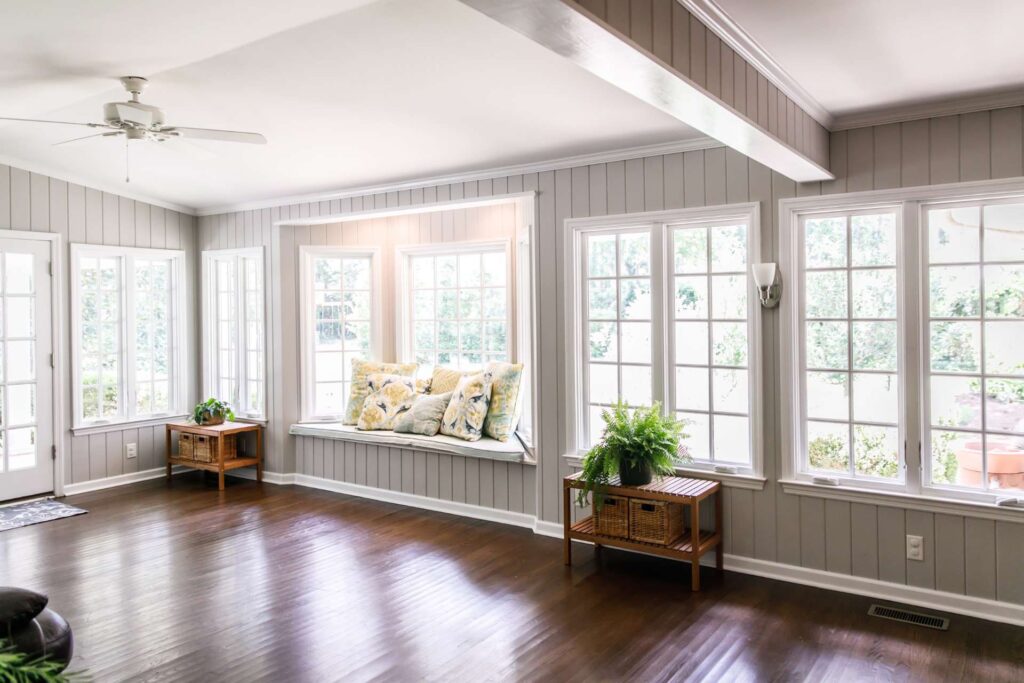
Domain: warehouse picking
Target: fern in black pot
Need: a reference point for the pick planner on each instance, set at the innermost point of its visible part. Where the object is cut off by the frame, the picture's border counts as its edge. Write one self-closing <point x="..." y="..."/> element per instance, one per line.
<point x="638" y="444"/>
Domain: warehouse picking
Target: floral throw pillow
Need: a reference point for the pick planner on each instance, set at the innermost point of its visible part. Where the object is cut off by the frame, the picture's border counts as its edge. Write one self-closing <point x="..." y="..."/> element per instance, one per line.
<point x="464" y="417"/>
<point x="424" y="417"/>
<point x="506" y="399"/>
<point x="361" y="371"/>
<point x="444" y="380"/>
<point x="390" y="396"/>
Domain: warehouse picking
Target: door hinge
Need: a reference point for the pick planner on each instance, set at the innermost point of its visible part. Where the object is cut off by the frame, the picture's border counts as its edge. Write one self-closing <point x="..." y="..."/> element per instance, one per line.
<point x="49" y="268"/>
<point x="52" y="364"/>
<point x="53" y="452"/>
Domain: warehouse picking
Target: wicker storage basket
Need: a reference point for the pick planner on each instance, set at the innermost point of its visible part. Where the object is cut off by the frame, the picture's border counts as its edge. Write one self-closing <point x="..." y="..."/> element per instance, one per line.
<point x="205" y="447"/>
<point x="185" y="451"/>
<point x="613" y="517"/>
<point x="655" y="521"/>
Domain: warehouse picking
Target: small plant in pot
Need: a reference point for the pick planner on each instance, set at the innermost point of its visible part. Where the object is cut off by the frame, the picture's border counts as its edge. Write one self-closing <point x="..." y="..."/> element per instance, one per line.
<point x="637" y="445"/>
<point x="212" y="411"/>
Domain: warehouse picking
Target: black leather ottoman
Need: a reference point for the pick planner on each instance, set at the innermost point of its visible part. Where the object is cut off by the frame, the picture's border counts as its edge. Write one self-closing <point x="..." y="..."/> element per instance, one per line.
<point x="33" y="629"/>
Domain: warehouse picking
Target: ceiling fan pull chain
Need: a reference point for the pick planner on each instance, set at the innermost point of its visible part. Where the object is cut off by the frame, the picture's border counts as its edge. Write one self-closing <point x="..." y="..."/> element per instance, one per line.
<point x="127" y="174"/>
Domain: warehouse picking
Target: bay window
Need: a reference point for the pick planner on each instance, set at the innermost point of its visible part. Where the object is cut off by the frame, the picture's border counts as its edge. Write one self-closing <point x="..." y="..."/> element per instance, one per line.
<point x="234" y="330"/>
<point x="128" y="332"/>
<point x="902" y="363"/>
<point x="661" y="308"/>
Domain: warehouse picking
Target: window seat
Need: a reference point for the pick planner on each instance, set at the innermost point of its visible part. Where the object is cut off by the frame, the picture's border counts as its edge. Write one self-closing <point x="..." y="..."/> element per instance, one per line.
<point x="491" y="449"/>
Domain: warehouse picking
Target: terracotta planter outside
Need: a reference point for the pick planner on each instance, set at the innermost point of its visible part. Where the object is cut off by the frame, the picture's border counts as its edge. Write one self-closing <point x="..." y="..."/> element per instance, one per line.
<point x="1005" y="464"/>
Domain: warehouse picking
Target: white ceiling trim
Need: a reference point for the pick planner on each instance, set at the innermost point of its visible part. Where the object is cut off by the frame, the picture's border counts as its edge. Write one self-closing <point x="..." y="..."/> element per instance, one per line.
<point x="119" y="190"/>
<point x="521" y="169"/>
<point x="927" y="110"/>
<point x="716" y="19"/>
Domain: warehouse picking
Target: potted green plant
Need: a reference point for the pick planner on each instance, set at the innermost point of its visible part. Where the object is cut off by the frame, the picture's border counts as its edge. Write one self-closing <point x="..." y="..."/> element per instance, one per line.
<point x="212" y="411"/>
<point x="637" y="445"/>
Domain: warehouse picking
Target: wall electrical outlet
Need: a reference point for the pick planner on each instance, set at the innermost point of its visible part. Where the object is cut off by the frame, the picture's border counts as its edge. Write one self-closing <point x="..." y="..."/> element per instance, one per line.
<point x="131" y="450"/>
<point x="915" y="548"/>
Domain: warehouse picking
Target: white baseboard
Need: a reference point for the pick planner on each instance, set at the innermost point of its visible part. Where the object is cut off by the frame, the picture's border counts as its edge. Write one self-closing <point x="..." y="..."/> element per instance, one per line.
<point x="552" y="529"/>
<point x="412" y="500"/>
<point x="119" y="480"/>
<point x="980" y="608"/>
<point x="278" y="478"/>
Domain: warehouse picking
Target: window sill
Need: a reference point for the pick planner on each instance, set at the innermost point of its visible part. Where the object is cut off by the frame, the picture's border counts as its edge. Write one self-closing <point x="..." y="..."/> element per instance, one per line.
<point x="733" y="481"/>
<point x="252" y="420"/>
<point x="488" y="449"/>
<point x="903" y="500"/>
<point x="121" y="425"/>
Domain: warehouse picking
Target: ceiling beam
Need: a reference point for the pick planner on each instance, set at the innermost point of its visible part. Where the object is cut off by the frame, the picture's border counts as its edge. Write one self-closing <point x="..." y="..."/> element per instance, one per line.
<point x="650" y="58"/>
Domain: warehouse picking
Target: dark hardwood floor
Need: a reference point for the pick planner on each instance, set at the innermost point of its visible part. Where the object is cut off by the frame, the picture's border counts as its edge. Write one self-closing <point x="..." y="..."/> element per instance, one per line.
<point x="276" y="583"/>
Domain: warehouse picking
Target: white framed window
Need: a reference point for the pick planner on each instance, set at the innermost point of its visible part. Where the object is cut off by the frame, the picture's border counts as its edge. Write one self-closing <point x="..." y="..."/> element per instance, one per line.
<point x="234" y="349"/>
<point x="660" y="307"/>
<point x="129" y="339"/>
<point x="456" y="304"/>
<point x="340" y="322"/>
<point x="901" y="359"/>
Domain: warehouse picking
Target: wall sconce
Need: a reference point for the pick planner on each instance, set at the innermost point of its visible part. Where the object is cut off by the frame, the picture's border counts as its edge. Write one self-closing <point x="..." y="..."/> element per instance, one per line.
<point x="766" y="277"/>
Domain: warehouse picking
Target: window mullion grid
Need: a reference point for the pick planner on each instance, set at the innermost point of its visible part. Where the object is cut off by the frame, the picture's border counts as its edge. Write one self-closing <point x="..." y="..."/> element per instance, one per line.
<point x="849" y="344"/>
<point x="127" y="323"/>
<point x="241" y="327"/>
<point x="711" y="347"/>
<point x="981" y="360"/>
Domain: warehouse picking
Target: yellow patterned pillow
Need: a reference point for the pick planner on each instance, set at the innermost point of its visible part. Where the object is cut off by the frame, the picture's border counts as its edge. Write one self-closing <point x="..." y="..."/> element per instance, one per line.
<point x="506" y="401"/>
<point x="361" y="370"/>
<point x="465" y="414"/>
<point x="423" y="386"/>
<point x="445" y="379"/>
<point x="390" y="396"/>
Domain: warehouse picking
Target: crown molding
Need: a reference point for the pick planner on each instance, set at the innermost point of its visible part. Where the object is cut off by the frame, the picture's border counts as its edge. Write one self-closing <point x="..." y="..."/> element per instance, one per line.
<point x="717" y="20"/>
<point x="622" y="154"/>
<point x="58" y="174"/>
<point x="931" y="109"/>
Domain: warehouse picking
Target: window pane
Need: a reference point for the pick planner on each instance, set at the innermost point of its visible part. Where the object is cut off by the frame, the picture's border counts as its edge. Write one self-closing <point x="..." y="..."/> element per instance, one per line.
<point x="602" y="300"/>
<point x="731" y="391"/>
<point x="330" y="398"/>
<point x="828" y="446"/>
<point x="636" y="385"/>
<point x="355" y="273"/>
<point x="604" y="341"/>
<point x="729" y="296"/>
<point x="601" y="256"/>
<point x="636" y="342"/>
<point x="955" y="347"/>
<point x="876" y="451"/>
<point x="874" y="346"/>
<point x="873" y="240"/>
<point x="635" y="298"/>
<point x="1004" y="406"/>
<point x="876" y="398"/>
<point x="955" y="401"/>
<point x="732" y="439"/>
<point x="19" y="273"/>
<point x="828" y="395"/>
<point x="954" y="291"/>
<point x="729" y="342"/>
<point x="19" y="315"/>
<point x="956" y="459"/>
<point x="1004" y="232"/>
<point x="635" y="257"/>
<point x="692" y="388"/>
<point x="954" y="235"/>
<point x="874" y="293"/>
<point x="1004" y="291"/>
<point x="690" y="249"/>
<point x="21" y="404"/>
<point x="1005" y="459"/>
<point x="825" y="242"/>
<point x="447" y="270"/>
<point x="692" y="343"/>
<point x="825" y="294"/>
<point x="469" y="270"/>
<point x="691" y="297"/>
<point x="827" y="345"/>
<point x="698" y="435"/>
<point x="729" y="249"/>
<point x="604" y="383"/>
<point x="1004" y="348"/>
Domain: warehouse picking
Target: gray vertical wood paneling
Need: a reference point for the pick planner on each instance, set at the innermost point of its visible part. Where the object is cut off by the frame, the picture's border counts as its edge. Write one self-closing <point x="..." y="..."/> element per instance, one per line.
<point x="921" y="573"/>
<point x="980" y="557"/>
<point x="864" y="540"/>
<point x="892" y="545"/>
<point x="949" y="554"/>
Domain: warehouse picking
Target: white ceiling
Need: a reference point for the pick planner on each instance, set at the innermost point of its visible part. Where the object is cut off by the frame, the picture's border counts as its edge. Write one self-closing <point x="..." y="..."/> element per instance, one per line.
<point x="860" y="55"/>
<point x="348" y="93"/>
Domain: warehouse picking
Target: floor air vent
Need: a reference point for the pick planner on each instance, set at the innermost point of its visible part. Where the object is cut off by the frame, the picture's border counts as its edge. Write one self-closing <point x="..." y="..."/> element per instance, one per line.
<point x="907" y="617"/>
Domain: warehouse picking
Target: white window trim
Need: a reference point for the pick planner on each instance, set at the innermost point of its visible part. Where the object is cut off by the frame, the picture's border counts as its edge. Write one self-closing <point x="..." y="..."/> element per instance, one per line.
<point x="210" y="325"/>
<point x="307" y="323"/>
<point x="179" y="338"/>
<point x="575" y="230"/>
<point x="403" y="290"/>
<point x="913" y="493"/>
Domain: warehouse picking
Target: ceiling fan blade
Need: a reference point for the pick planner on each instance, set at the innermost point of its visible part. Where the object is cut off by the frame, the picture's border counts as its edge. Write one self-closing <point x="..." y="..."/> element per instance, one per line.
<point x="127" y="112"/>
<point x="213" y="134"/>
<point x="86" y="137"/>
<point x="62" y="123"/>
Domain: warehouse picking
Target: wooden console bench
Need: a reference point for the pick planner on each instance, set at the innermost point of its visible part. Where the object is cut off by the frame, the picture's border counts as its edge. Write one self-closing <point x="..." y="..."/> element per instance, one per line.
<point x="689" y="492"/>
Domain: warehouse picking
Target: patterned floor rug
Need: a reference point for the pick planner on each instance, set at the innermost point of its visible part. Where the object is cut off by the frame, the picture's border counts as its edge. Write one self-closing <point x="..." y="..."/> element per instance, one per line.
<point x="35" y="512"/>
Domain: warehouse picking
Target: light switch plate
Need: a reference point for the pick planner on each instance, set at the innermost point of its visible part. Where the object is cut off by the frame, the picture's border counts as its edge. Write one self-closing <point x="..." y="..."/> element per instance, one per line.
<point x="131" y="450"/>
<point x="915" y="548"/>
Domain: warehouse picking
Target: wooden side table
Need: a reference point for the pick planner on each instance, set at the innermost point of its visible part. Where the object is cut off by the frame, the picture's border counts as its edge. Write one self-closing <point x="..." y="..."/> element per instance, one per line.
<point x="689" y="547"/>
<point x="222" y="463"/>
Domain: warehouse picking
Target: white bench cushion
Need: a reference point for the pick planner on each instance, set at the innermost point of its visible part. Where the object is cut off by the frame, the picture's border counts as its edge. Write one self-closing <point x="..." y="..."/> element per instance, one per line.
<point x="492" y="449"/>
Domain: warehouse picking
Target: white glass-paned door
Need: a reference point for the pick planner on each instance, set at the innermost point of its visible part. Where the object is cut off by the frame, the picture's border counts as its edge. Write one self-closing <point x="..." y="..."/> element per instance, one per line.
<point x="26" y="378"/>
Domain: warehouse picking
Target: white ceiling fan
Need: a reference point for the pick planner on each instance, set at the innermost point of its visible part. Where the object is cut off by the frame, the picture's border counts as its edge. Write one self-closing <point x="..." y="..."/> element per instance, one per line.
<point x="137" y="121"/>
